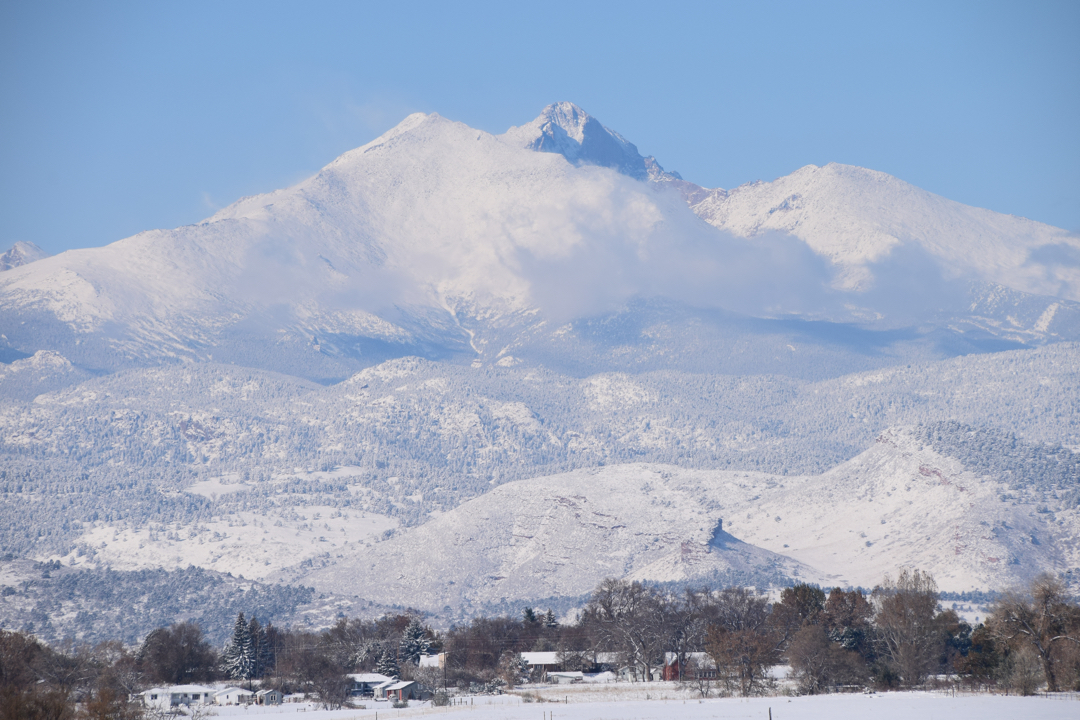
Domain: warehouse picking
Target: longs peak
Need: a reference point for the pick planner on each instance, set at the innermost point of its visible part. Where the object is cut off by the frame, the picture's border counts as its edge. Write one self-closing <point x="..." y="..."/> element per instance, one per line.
<point x="565" y="129"/>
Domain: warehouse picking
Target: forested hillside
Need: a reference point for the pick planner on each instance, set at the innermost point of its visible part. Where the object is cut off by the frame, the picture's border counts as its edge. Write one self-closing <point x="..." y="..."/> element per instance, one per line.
<point x="421" y="436"/>
<point x="92" y="605"/>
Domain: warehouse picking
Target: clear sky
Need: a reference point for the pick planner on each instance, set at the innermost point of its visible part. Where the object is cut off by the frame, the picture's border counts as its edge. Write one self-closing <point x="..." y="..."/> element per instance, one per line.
<point x="118" y="117"/>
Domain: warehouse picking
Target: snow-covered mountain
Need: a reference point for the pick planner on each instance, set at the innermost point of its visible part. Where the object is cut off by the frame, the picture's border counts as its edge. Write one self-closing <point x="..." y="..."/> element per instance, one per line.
<point x="43" y="372"/>
<point x="447" y="242"/>
<point x="869" y="224"/>
<point x="559" y="537"/>
<point x="21" y="253"/>
<point x="910" y="502"/>
<point x="565" y="129"/>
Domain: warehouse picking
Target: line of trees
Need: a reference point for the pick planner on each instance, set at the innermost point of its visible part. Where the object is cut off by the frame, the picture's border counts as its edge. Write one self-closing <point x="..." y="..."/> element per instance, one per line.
<point x="896" y="636"/>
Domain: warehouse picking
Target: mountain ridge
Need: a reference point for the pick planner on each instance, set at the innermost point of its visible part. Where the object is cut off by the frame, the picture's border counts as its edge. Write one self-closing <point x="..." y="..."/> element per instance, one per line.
<point x="435" y="238"/>
<point x="21" y="253"/>
<point x="898" y="503"/>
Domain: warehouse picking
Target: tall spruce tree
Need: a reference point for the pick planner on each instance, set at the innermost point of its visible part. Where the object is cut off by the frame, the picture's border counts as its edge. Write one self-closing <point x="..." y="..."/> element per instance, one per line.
<point x="388" y="664"/>
<point x="238" y="659"/>
<point x="268" y="653"/>
<point x="260" y="651"/>
<point x="414" y="642"/>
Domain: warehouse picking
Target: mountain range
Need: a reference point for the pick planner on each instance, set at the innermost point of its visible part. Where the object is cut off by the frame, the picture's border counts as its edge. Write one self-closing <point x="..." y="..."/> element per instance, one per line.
<point x="445" y="242"/>
<point x="516" y="364"/>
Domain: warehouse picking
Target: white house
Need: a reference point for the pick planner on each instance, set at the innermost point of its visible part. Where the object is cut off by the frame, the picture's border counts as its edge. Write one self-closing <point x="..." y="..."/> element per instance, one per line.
<point x="433" y="661"/>
<point x="234" y="696"/>
<point x="544" y="662"/>
<point x="172" y="696"/>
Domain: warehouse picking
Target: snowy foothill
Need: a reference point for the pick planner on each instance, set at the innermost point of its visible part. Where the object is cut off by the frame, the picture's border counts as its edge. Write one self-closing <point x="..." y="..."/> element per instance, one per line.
<point x="248" y="543"/>
<point x="660" y="703"/>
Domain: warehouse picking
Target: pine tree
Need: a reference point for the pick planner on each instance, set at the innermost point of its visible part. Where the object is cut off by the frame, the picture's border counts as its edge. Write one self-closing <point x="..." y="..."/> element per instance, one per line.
<point x="387" y="663"/>
<point x="549" y="619"/>
<point x="260" y="650"/>
<point x="414" y="642"/>
<point x="267" y="654"/>
<point x="239" y="657"/>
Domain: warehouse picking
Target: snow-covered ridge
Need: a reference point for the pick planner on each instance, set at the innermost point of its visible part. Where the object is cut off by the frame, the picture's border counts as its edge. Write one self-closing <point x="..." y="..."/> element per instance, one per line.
<point x="858" y="218"/>
<point x="434" y="215"/>
<point x="557" y="536"/>
<point x="440" y="240"/>
<point x="431" y="215"/>
<point x="898" y="504"/>
<point x="21" y="253"/>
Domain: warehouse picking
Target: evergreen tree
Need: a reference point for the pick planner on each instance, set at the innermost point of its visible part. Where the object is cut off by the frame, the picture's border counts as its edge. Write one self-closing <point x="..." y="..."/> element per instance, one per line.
<point x="549" y="619"/>
<point x="388" y="664"/>
<point x="238" y="659"/>
<point x="414" y="642"/>
<point x="268" y="654"/>
<point x="260" y="650"/>
<point x="529" y="615"/>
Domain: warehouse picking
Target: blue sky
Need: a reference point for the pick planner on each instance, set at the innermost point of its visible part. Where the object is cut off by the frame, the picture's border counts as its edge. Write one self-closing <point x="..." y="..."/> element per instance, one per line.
<point x="120" y="117"/>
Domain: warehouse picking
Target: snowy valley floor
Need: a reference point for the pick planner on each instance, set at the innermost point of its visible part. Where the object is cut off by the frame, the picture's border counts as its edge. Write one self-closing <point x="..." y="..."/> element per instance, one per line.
<point x="615" y="704"/>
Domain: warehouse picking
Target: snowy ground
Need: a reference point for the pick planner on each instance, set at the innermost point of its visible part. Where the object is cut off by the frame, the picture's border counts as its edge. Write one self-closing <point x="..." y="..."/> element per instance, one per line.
<point x="607" y="705"/>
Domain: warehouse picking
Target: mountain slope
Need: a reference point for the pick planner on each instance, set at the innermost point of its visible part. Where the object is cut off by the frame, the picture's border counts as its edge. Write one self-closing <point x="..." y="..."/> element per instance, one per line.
<point x="567" y="130"/>
<point x="904" y="503"/>
<point x="899" y="503"/>
<point x="382" y="245"/>
<point x="859" y="218"/>
<point x="557" y="536"/>
<point x="43" y="372"/>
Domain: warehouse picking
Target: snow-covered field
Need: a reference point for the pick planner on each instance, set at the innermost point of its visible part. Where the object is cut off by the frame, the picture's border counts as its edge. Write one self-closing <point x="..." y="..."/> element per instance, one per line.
<point x="608" y="705"/>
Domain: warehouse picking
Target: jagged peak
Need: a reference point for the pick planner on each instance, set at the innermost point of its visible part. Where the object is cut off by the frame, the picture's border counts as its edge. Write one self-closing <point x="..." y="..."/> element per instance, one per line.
<point x="566" y="129"/>
<point x="569" y="117"/>
<point x="21" y="253"/>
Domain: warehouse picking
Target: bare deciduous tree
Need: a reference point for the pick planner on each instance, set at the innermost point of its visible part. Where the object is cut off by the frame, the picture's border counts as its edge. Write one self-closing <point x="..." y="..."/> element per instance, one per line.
<point x="177" y="654"/>
<point x="821" y="664"/>
<point x="742" y="657"/>
<point x="1043" y="620"/>
<point x="633" y="618"/>
<point x="907" y="633"/>
<point x="740" y="640"/>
